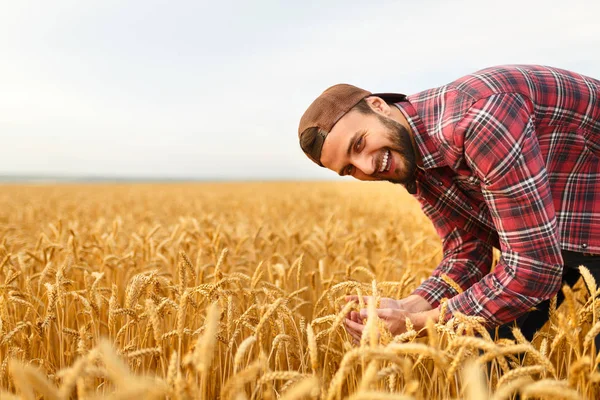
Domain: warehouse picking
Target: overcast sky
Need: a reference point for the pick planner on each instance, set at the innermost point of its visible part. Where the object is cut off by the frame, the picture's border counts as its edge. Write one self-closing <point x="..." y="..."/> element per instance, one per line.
<point x="216" y="89"/>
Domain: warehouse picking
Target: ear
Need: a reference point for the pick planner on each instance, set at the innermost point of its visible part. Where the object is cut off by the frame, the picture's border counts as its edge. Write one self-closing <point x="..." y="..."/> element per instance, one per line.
<point x="379" y="105"/>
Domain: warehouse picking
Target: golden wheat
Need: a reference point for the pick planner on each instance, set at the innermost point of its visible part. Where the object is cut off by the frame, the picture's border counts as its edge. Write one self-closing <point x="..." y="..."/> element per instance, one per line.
<point x="236" y="291"/>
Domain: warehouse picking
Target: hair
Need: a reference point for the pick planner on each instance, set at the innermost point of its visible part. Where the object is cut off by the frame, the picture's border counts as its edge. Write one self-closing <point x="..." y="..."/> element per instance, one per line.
<point x="363" y="107"/>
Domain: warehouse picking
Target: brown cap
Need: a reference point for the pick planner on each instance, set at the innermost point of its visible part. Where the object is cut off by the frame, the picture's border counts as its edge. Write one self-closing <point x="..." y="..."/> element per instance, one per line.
<point x="326" y="111"/>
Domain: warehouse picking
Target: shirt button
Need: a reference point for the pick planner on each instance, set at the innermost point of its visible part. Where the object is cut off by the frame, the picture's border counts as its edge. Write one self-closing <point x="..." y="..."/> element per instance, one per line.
<point x="440" y="183"/>
<point x="471" y="208"/>
<point x="584" y="246"/>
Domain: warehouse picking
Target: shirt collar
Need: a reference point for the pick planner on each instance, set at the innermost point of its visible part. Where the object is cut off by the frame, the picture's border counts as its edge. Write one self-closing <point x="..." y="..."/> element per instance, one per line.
<point x="427" y="147"/>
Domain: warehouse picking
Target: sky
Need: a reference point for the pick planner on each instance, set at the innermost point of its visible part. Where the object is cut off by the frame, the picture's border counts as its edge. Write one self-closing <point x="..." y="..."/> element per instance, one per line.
<point x="215" y="90"/>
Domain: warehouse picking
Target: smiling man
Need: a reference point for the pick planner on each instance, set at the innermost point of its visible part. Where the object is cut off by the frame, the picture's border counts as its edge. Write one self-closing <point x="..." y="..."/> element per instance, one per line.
<point x="507" y="157"/>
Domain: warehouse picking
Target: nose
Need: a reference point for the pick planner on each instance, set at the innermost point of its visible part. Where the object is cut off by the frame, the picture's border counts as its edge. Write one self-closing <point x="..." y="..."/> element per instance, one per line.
<point x="365" y="163"/>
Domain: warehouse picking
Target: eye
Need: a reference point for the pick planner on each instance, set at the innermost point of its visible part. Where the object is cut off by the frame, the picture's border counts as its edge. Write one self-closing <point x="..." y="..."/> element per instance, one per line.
<point x="358" y="144"/>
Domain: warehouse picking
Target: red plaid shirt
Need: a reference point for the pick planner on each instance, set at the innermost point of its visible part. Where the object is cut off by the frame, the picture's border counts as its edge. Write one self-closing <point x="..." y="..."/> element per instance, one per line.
<point x="511" y="159"/>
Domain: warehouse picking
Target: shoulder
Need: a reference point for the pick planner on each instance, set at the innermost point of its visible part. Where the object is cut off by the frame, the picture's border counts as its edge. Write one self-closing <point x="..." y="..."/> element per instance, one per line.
<point x="500" y="79"/>
<point x="444" y="108"/>
<point x="440" y="109"/>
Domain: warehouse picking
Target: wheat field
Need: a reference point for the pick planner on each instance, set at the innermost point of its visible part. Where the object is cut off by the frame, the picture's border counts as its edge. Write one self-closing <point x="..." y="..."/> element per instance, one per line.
<point x="236" y="291"/>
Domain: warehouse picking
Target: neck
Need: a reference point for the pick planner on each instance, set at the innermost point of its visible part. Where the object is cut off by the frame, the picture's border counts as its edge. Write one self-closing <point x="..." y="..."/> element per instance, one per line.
<point x="399" y="117"/>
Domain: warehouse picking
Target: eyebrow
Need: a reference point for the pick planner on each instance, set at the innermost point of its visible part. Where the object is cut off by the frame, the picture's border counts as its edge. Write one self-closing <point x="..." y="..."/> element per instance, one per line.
<point x="350" y="145"/>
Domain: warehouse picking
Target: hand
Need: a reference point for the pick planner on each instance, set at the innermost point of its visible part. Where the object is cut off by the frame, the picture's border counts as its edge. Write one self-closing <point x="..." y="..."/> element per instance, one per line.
<point x="354" y="321"/>
<point x="384" y="302"/>
<point x="354" y="326"/>
<point x="412" y="303"/>
<point x="412" y="306"/>
<point x="394" y="319"/>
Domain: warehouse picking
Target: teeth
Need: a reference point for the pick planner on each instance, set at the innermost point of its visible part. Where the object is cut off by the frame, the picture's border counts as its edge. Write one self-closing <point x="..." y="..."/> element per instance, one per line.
<point x="384" y="162"/>
<point x="389" y="161"/>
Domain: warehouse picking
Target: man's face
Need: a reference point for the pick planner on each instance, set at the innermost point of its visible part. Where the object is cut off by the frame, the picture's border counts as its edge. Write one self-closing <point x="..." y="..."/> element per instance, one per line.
<point x="370" y="146"/>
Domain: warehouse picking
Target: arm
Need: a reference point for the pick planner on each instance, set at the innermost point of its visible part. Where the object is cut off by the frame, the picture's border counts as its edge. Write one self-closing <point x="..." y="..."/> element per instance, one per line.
<point x="501" y="147"/>
<point x="466" y="260"/>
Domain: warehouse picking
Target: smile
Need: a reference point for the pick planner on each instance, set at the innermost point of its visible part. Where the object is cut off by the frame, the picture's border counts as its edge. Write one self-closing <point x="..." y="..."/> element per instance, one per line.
<point x="386" y="163"/>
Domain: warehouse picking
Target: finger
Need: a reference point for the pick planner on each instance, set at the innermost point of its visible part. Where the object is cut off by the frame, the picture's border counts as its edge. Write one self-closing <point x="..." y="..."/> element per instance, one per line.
<point x="358" y="328"/>
<point x="353" y="297"/>
<point x="383" y="313"/>
<point x="355" y="316"/>
<point x="364" y="312"/>
<point x="353" y="327"/>
<point x="355" y="335"/>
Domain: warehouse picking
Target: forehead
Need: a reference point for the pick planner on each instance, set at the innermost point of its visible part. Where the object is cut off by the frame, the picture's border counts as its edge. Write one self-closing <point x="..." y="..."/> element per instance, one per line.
<point x="335" y="146"/>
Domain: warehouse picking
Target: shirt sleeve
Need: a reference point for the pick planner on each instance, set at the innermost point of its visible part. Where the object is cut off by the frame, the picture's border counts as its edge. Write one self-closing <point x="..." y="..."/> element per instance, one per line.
<point x="466" y="260"/>
<point x="502" y="149"/>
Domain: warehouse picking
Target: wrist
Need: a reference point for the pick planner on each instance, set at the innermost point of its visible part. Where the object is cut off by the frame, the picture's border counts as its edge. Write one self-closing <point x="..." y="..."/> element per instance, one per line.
<point x="420" y="319"/>
<point x="414" y="304"/>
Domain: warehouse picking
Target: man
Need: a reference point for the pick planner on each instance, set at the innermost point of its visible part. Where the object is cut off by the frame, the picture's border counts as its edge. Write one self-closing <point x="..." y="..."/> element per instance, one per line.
<point x="507" y="157"/>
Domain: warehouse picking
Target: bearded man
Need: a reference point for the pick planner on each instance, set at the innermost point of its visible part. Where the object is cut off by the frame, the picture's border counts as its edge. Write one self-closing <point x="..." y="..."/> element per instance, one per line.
<point x="507" y="157"/>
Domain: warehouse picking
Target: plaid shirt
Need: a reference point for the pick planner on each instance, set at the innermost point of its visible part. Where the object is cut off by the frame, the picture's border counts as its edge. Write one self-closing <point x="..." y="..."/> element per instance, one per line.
<point x="511" y="159"/>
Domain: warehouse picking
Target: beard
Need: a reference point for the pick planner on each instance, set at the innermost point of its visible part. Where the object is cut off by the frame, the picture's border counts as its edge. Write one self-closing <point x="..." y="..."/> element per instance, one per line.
<point x="401" y="144"/>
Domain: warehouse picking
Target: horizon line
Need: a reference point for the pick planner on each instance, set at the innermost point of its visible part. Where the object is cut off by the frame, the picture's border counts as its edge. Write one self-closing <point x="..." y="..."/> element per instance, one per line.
<point x="66" y="178"/>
